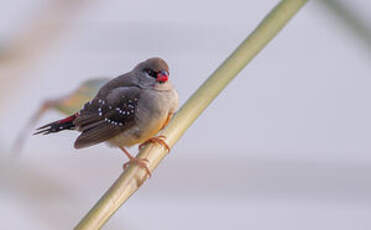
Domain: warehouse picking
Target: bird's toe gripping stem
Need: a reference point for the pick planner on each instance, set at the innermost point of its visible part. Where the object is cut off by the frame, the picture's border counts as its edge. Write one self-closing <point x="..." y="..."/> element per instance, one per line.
<point x="140" y="162"/>
<point x="157" y="139"/>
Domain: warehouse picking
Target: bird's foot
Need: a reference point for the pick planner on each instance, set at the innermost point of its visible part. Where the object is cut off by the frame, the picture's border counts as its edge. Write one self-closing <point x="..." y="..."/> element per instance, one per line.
<point x="157" y="139"/>
<point x="140" y="162"/>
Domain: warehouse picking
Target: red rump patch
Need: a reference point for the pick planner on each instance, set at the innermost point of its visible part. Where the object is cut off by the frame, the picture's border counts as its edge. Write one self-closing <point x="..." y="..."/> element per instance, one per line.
<point x="68" y="119"/>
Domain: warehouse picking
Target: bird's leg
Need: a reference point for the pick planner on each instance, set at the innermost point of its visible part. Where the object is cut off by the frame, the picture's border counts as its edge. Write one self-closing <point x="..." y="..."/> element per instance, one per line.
<point x="157" y="139"/>
<point x="140" y="162"/>
<point x="169" y="116"/>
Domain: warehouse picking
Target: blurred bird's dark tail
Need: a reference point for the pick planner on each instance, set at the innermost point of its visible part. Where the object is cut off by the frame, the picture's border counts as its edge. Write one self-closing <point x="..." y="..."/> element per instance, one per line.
<point x="57" y="126"/>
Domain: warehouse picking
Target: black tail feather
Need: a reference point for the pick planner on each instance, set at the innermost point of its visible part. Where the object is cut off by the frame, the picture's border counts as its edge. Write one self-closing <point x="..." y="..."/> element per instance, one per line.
<point x="57" y="126"/>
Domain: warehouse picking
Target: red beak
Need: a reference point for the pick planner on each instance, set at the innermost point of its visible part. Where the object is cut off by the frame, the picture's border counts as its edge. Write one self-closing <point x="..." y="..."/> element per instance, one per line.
<point x="162" y="77"/>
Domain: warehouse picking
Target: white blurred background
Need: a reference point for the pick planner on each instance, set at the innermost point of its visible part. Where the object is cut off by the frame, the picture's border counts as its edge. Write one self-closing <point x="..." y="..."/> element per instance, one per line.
<point x="285" y="146"/>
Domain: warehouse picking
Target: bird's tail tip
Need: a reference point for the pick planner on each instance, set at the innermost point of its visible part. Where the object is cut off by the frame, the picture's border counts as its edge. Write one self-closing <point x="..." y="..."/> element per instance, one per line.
<point x="56" y="126"/>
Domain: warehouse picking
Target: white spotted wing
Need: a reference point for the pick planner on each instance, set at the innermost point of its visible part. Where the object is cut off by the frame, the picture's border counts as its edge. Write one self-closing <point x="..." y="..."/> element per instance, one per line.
<point x="105" y="117"/>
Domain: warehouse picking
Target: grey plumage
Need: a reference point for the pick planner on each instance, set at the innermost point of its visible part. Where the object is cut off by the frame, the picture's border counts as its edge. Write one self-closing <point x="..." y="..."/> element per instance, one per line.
<point x="128" y="110"/>
<point x="102" y="119"/>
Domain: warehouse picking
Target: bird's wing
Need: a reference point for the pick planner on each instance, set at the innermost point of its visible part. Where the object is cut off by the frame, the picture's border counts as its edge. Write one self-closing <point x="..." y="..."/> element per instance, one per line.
<point x="104" y="118"/>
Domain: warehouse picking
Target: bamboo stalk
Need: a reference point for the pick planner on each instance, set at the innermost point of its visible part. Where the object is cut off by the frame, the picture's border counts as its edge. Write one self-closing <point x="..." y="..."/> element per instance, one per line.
<point x="130" y="180"/>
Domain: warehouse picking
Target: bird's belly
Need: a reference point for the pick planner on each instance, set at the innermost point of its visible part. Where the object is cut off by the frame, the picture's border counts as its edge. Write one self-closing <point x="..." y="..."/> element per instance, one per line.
<point x="151" y="114"/>
<point x="137" y="134"/>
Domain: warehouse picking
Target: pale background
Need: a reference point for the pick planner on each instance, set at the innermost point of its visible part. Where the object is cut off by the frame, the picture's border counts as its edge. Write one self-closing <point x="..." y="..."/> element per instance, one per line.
<point x="285" y="146"/>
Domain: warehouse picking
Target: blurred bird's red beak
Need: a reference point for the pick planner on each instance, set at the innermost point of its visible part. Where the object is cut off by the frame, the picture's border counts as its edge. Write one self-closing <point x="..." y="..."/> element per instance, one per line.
<point x="162" y="77"/>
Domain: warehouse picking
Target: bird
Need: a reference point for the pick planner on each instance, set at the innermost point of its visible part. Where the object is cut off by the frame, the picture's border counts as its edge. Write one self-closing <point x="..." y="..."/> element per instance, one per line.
<point x="129" y="109"/>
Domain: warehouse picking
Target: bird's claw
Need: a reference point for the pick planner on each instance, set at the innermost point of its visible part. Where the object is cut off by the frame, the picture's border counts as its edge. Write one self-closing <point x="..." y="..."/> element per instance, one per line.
<point x="140" y="162"/>
<point x="157" y="139"/>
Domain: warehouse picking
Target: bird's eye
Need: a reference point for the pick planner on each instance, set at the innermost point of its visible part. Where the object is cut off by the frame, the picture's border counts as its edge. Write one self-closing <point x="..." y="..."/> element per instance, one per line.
<point x="151" y="73"/>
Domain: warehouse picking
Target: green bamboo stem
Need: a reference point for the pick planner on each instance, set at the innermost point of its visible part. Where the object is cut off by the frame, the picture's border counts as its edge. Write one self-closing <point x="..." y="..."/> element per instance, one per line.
<point x="130" y="180"/>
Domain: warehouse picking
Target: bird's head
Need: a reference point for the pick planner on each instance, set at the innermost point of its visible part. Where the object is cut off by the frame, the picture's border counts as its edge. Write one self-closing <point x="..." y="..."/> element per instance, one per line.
<point x="154" y="70"/>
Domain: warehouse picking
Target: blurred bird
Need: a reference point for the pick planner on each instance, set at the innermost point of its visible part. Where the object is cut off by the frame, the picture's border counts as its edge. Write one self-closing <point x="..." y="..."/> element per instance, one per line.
<point x="67" y="104"/>
<point x="128" y="110"/>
